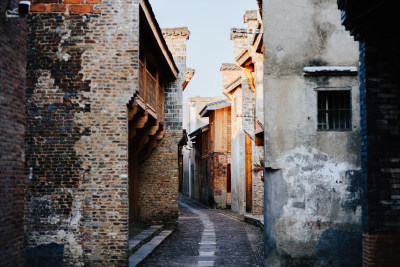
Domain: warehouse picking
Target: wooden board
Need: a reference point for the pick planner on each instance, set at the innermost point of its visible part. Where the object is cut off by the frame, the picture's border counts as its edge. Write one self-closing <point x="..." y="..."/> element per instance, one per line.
<point x="249" y="179"/>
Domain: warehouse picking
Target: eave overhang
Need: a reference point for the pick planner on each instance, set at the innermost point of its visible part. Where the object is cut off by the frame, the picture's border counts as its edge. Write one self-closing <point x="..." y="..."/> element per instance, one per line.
<point x="234" y="85"/>
<point x="165" y="55"/>
<point x="244" y="59"/>
<point x="370" y="20"/>
<point x="330" y="70"/>
<point x="199" y="131"/>
<point x="208" y="108"/>
<point x="189" y="75"/>
<point x="258" y="43"/>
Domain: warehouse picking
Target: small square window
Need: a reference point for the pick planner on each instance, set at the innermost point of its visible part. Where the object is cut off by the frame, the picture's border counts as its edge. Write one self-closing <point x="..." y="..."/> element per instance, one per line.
<point x="334" y="110"/>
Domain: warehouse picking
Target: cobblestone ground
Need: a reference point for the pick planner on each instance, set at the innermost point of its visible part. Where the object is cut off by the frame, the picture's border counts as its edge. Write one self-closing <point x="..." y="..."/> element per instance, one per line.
<point x="208" y="238"/>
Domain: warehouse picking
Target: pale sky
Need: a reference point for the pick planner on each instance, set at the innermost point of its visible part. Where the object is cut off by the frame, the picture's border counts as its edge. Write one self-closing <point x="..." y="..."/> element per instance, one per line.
<point x="209" y="45"/>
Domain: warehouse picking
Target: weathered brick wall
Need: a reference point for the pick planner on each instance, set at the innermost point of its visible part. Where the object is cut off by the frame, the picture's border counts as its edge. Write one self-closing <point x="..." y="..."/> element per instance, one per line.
<point x="158" y="175"/>
<point x="158" y="183"/>
<point x="12" y="115"/>
<point x="380" y="111"/>
<point x="82" y="71"/>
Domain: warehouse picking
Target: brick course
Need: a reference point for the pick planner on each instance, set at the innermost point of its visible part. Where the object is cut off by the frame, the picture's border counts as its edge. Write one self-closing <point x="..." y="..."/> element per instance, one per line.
<point x="12" y="116"/>
<point x="380" y="111"/>
<point x="158" y="183"/>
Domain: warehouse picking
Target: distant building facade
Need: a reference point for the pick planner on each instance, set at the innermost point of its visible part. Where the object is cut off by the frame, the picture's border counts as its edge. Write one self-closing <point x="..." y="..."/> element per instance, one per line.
<point x="191" y="163"/>
<point x="215" y="145"/>
<point x="243" y="85"/>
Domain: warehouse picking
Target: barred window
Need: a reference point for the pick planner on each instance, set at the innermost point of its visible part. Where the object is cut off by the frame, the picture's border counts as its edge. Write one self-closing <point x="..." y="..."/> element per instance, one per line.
<point x="334" y="110"/>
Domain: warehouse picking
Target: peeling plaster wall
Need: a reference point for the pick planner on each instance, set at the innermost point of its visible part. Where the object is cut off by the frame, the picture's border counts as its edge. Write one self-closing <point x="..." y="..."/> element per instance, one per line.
<point x="312" y="181"/>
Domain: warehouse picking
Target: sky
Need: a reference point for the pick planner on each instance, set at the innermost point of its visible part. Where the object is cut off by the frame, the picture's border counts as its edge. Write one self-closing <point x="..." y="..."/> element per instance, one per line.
<point x="209" y="45"/>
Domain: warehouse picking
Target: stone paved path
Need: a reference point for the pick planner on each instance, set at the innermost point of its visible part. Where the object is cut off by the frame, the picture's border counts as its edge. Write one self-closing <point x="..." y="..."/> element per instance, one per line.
<point x="208" y="238"/>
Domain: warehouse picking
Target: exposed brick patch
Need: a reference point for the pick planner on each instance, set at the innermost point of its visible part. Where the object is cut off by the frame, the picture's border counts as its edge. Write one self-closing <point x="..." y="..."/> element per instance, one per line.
<point x="12" y="116"/>
<point x="70" y="6"/>
<point x="58" y="8"/>
<point x="80" y="8"/>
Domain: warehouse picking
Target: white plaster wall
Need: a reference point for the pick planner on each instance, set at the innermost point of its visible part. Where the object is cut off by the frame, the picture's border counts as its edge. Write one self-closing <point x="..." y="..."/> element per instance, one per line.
<point x="319" y="170"/>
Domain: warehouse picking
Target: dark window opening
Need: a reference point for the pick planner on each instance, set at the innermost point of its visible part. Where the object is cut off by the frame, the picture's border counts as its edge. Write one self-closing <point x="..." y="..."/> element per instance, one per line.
<point x="334" y="110"/>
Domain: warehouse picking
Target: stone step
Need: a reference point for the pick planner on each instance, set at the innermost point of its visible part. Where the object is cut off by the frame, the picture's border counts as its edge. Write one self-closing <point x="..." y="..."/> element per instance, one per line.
<point x="146" y="249"/>
<point x="145" y="236"/>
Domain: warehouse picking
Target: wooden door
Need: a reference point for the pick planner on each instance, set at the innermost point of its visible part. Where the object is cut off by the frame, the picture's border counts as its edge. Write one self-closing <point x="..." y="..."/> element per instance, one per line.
<point x="249" y="179"/>
<point x="228" y="178"/>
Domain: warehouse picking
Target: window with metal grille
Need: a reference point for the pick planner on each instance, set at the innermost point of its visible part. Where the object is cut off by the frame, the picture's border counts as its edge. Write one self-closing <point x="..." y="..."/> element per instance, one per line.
<point x="334" y="110"/>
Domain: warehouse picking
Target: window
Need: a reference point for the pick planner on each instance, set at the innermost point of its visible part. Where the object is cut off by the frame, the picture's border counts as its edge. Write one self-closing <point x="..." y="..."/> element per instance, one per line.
<point x="334" y="110"/>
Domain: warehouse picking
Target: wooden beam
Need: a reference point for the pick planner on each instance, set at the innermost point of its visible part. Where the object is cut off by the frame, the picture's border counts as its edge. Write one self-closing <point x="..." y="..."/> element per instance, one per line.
<point x="153" y="129"/>
<point x="132" y="133"/>
<point x="132" y="110"/>
<point x="249" y="74"/>
<point x="140" y="122"/>
<point x="160" y="134"/>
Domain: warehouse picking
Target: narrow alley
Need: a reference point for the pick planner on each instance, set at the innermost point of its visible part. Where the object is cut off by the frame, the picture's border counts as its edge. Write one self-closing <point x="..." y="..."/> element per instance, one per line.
<point x="199" y="133"/>
<point x="209" y="237"/>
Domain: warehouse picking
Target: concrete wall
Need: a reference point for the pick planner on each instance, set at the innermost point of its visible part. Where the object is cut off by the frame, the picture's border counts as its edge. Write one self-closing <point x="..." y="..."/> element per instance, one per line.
<point x="12" y="148"/>
<point x="312" y="191"/>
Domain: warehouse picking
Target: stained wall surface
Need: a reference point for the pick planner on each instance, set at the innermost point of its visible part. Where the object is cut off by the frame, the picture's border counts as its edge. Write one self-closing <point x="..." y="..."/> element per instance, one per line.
<point x="312" y="181"/>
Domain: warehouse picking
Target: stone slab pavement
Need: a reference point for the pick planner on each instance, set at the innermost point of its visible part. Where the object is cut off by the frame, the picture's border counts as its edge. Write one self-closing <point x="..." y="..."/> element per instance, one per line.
<point x="206" y="237"/>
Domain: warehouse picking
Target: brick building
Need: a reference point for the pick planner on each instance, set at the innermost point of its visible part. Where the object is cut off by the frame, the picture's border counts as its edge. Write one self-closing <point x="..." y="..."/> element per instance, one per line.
<point x="12" y="126"/>
<point x="373" y="24"/>
<point x="215" y="142"/>
<point x="192" y="121"/>
<point x="104" y="119"/>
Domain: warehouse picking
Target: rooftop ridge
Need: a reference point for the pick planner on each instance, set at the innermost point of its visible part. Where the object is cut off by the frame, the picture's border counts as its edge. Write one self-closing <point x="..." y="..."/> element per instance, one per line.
<point x="229" y="66"/>
<point x="179" y="31"/>
<point x="237" y="33"/>
<point x="250" y="15"/>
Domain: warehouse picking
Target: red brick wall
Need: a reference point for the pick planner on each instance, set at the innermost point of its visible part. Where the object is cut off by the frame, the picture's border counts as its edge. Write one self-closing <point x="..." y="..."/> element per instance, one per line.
<point x="71" y="6"/>
<point x="12" y="115"/>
